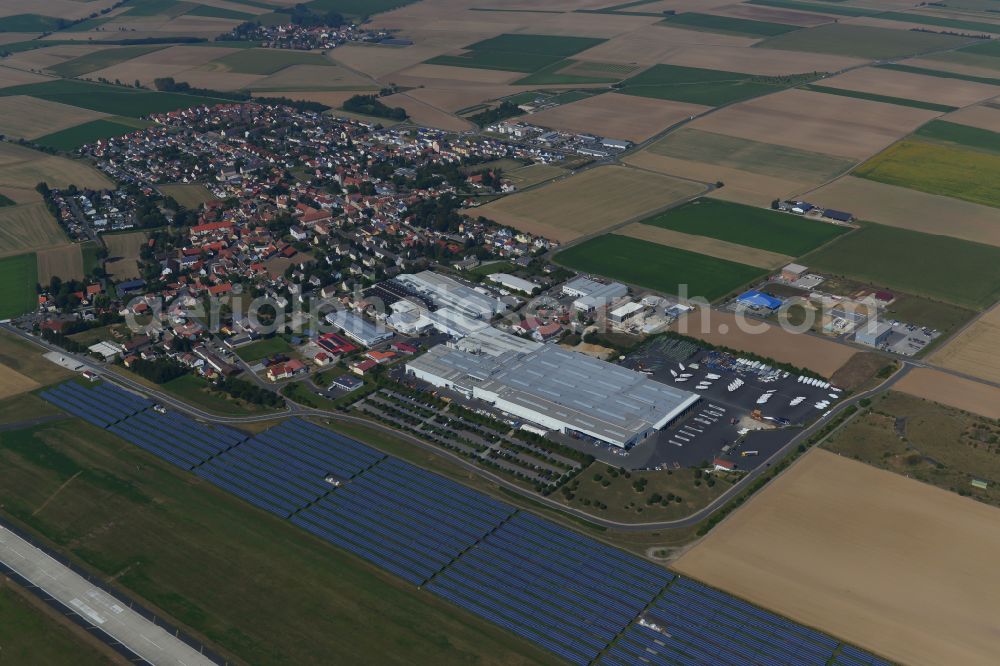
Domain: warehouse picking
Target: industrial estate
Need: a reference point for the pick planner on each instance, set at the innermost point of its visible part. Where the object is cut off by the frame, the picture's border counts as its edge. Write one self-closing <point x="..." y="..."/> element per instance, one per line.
<point x="499" y="332"/>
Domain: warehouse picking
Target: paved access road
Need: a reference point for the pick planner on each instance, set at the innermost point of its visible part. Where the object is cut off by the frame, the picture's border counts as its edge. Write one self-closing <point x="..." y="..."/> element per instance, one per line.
<point x="148" y="641"/>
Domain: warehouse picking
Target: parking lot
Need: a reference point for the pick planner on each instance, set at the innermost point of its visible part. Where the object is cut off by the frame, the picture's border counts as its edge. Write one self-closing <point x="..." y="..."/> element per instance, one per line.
<point x="908" y="339"/>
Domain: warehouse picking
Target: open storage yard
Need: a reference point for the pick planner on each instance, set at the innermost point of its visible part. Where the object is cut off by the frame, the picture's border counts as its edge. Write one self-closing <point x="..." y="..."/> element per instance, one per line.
<point x="589" y="202"/>
<point x="819" y="542"/>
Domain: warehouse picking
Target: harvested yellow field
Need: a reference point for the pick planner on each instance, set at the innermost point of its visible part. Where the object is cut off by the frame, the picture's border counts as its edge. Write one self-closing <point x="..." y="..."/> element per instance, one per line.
<point x="314" y="77"/>
<point x="189" y="195"/>
<point x="39" y="59"/>
<point x="956" y="62"/>
<point x="974" y="351"/>
<point x="829" y="124"/>
<point x="23" y="168"/>
<point x="13" y="383"/>
<point x="69" y="9"/>
<point x="953" y="391"/>
<point x="65" y="262"/>
<point x="712" y="247"/>
<point x="910" y="209"/>
<point x="16" y="77"/>
<point x="764" y="62"/>
<point x="26" y="117"/>
<point x="800" y="349"/>
<point x="423" y="113"/>
<point x="618" y="116"/>
<point x="28" y="227"/>
<point x="179" y="62"/>
<point x="773" y="14"/>
<point x="896" y="566"/>
<point x="588" y="203"/>
<point x="934" y="89"/>
<point x="439" y="73"/>
<point x="462" y="96"/>
<point x="981" y="116"/>
<point x="123" y="254"/>
<point x="658" y="43"/>
<point x="533" y="174"/>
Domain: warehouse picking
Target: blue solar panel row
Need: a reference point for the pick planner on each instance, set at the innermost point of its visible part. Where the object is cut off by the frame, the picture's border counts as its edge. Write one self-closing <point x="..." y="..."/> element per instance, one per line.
<point x="697" y="624"/>
<point x="318" y="449"/>
<point x="400" y="514"/>
<point x="99" y="404"/>
<point x="570" y="594"/>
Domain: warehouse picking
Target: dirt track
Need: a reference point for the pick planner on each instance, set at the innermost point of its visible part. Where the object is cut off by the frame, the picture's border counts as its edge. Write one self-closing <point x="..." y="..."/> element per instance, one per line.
<point x="896" y="566"/>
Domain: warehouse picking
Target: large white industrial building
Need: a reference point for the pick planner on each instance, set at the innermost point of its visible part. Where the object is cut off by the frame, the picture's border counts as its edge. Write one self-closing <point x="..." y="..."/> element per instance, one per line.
<point x="445" y="292"/>
<point x="592" y="295"/>
<point x="553" y="387"/>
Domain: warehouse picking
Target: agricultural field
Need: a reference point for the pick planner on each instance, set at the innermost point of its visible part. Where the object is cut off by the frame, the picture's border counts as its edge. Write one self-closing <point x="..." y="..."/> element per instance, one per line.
<point x="944" y="72"/>
<point x="658" y="267"/>
<point x="965" y="136"/>
<point x="974" y="351"/>
<point x="21" y="169"/>
<point x="123" y="254"/>
<point x="611" y="114"/>
<point x="26" y="359"/>
<point x="728" y="24"/>
<point x="26" y="117"/>
<point x="20" y="274"/>
<point x="760" y="228"/>
<point x="814" y="122"/>
<point x="14" y="383"/>
<point x="28" y="227"/>
<point x="265" y="61"/>
<point x="89" y="132"/>
<point x="114" y="516"/>
<point x="963" y="394"/>
<point x="708" y="87"/>
<point x="754" y="156"/>
<point x="946" y="170"/>
<point x="517" y="52"/>
<point x="107" y="98"/>
<point x="64" y="262"/>
<point x="189" y="195"/>
<point x="821" y="355"/>
<point x="884" y="99"/>
<point x="100" y="60"/>
<point x="909" y="209"/>
<point x="534" y="174"/>
<point x="981" y="116"/>
<point x="939" y="267"/>
<point x="860" y="41"/>
<point x="588" y="203"/>
<point x="711" y="247"/>
<point x="576" y="72"/>
<point x="816" y="545"/>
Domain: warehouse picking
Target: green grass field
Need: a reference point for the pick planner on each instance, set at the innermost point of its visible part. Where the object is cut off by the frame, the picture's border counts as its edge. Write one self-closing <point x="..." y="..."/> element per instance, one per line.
<point x="658" y="267"/>
<point x="861" y="41"/>
<point x="748" y="155"/>
<point x="701" y="86"/>
<point x="74" y="137"/>
<point x="961" y="135"/>
<point x="258" y="587"/>
<point x="158" y="7"/>
<point x="30" y="633"/>
<point x="29" y="23"/>
<point x="268" y="61"/>
<point x="256" y="351"/>
<point x="937" y="168"/>
<point x="195" y="390"/>
<point x="518" y="52"/>
<point x="886" y="99"/>
<point x="357" y="7"/>
<point x="109" y="99"/>
<point x="728" y="25"/>
<point x="941" y="74"/>
<point x="100" y="59"/>
<point x="939" y="267"/>
<point x="19" y="275"/>
<point x="823" y="6"/>
<point x="761" y="228"/>
<point x="219" y="12"/>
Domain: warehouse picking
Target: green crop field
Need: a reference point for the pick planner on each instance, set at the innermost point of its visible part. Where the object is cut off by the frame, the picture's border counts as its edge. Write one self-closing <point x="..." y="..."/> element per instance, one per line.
<point x="761" y="228"/>
<point x="357" y="7"/>
<point x="29" y="23"/>
<point x="74" y="137"/>
<point x="100" y="59"/>
<point x="109" y="99"/>
<point x="937" y="168"/>
<point x="518" y="52"/>
<point x="659" y="267"/>
<point x="30" y="635"/>
<point x="939" y="267"/>
<point x="748" y="155"/>
<point x="19" y="275"/>
<point x="219" y="12"/>
<point x="728" y="25"/>
<point x="822" y="6"/>
<point x="941" y="21"/>
<point x="886" y="99"/>
<point x="256" y="351"/>
<point x="258" y="587"/>
<point x="961" y="135"/>
<point x="940" y="73"/>
<point x="987" y="47"/>
<point x="268" y="61"/>
<point x="702" y="86"/>
<point x="861" y="41"/>
<point x="158" y="7"/>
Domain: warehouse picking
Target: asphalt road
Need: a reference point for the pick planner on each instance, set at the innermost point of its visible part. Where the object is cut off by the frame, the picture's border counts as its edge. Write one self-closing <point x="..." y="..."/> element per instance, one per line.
<point x="122" y="625"/>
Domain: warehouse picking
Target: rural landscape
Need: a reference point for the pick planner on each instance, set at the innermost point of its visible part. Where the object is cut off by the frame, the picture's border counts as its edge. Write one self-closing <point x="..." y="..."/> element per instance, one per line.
<point x="499" y="332"/>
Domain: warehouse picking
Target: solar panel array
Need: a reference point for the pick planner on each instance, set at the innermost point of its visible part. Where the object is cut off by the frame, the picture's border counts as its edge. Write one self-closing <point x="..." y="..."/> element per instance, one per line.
<point x="100" y="404"/>
<point x="283" y="469"/>
<point x="698" y="625"/>
<point x="570" y="594"/>
<point x="177" y="439"/>
<point x="404" y="519"/>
